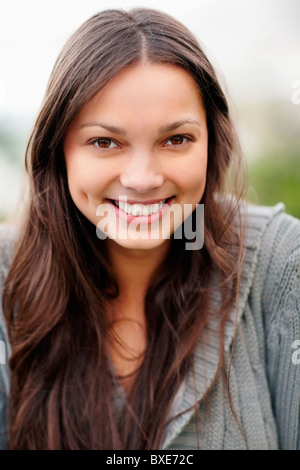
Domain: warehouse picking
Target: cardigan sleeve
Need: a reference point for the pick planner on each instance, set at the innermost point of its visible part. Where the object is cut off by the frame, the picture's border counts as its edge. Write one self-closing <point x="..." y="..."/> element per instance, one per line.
<point x="281" y="307"/>
<point x="7" y="236"/>
<point x="4" y="386"/>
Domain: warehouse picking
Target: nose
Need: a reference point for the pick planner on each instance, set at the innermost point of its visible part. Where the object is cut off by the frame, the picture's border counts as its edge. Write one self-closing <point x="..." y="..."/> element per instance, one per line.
<point x="142" y="173"/>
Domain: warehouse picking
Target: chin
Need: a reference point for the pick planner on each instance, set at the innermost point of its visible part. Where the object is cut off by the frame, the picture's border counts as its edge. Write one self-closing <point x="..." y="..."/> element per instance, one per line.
<point x="140" y="244"/>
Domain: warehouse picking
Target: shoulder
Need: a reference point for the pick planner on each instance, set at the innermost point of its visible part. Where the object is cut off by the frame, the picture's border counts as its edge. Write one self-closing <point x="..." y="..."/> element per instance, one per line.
<point x="271" y="253"/>
<point x="275" y="237"/>
<point x="278" y="270"/>
<point x="272" y="261"/>
<point x="272" y="239"/>
<point x="8" y="239"/>
<point x="267" y="223"/>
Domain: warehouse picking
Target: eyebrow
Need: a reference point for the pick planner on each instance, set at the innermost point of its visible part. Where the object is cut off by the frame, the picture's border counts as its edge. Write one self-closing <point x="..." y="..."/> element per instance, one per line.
<point x="118" y="130"/>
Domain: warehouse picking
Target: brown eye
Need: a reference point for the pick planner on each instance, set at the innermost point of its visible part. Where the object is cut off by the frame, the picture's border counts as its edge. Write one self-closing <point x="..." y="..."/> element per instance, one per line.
<point x="177" y="140"/>
<point x="105" y="143"/>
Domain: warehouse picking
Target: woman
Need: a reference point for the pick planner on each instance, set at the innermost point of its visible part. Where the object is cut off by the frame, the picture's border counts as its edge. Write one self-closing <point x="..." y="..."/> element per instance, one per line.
<point x="123" y="329"/>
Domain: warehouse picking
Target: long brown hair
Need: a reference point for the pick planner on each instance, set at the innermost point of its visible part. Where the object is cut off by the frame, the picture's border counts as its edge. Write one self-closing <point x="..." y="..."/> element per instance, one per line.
<point x="63" y="390"/>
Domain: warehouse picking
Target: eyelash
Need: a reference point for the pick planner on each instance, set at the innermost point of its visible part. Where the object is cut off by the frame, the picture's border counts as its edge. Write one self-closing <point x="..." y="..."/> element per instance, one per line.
<point x="95" y="141"/>
<point x="187" y="138"/>
<point x="184" y="137"/>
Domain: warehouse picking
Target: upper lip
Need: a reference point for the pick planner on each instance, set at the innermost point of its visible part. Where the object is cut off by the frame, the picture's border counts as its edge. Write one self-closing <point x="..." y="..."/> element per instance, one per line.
<point x="145" y="203"/>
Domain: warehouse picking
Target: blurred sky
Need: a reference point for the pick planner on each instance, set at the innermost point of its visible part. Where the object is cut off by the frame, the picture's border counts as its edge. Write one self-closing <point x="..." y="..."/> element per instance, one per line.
<point x="254" y="44"/>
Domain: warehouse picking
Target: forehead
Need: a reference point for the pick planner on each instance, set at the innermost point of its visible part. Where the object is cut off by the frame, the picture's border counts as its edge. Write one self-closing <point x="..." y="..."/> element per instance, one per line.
<point x="146" y="90"/>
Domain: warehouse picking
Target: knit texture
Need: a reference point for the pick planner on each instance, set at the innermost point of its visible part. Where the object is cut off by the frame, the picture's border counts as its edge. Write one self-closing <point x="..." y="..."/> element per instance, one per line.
<point x="264" y="381"/>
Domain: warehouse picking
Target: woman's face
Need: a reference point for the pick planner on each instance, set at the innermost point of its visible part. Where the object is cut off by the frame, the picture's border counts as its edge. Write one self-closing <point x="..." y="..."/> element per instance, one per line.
<point x="136" y="155"/>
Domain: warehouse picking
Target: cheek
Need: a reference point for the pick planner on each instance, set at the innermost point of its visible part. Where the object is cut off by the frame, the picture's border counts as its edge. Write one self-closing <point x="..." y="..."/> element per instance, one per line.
<point x="85" y="189"/>
<point x="193" y="180"/>
<point x="85" y="181"/>
<point x="77" y="180"/>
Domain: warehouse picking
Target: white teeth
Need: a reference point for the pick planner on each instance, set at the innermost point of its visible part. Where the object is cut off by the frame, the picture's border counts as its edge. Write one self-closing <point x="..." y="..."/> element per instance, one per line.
<point x="139" y="209"/>
<point x="146" y="210"/>
<point x="156" y="207"/>
<point x="127" y="208"/>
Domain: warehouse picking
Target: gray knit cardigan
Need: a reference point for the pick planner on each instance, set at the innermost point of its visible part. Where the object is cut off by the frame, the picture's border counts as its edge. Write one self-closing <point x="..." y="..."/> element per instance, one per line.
<point x="262" y="341"/>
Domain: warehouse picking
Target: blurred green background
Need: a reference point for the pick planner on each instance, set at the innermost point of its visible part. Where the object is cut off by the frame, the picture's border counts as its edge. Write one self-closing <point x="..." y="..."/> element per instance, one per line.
<point x="273" y="153"/>
<point x="275" y="177"/>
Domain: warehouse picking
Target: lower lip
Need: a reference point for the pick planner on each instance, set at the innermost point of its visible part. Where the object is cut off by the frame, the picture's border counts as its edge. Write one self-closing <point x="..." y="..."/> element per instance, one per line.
<point x="143" y="219"/>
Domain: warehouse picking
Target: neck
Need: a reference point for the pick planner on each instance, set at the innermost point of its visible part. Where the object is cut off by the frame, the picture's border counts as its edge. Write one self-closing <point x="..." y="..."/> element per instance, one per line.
<point x="135" y="268"/>
<point x="134" y="271"/>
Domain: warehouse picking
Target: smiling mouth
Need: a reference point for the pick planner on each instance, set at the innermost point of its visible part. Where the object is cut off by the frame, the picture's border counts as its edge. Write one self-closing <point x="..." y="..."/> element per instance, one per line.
<point x="139" y="209"/>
